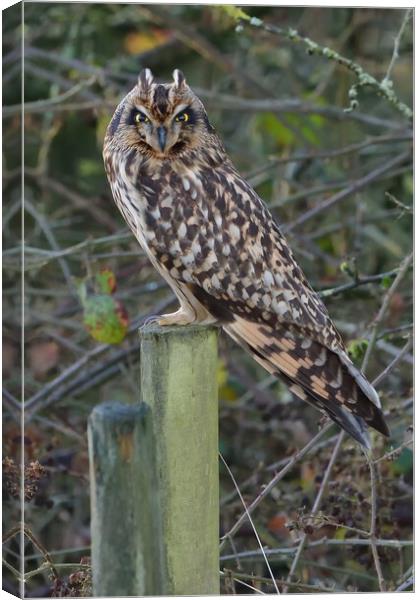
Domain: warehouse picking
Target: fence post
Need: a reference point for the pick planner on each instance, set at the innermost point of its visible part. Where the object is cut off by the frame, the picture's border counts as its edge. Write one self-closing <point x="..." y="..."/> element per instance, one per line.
<point x="154" y="473"/>
<point x="179" y="383"/>
<point x="123" y="524"/>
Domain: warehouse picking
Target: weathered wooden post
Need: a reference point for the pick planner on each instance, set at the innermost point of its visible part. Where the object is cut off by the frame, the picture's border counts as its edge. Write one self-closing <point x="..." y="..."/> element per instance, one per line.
<point x="154" y="473"/>
<point x="123" y="525"/>
<point x="179" y="383"/>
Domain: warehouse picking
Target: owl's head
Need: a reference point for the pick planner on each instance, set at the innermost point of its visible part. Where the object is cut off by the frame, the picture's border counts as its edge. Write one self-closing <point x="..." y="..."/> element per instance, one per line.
<point x="161" y="120"/>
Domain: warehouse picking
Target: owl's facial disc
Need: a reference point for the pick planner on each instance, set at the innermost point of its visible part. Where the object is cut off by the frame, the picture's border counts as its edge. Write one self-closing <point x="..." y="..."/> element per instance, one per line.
<point x="164" y="134"/>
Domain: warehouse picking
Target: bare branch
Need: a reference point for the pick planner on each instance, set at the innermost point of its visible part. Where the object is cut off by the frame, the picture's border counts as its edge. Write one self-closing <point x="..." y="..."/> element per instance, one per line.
<point x="353" y="188"/>
<point x="315" y="508"/>
<point x="395" y="54"/>
<point x="267" y="489"/>
<point x="251" y="521"/>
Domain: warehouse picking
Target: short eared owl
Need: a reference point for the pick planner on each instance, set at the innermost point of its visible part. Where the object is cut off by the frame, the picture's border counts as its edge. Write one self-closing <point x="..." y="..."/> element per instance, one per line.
<point x="214" y="241"/>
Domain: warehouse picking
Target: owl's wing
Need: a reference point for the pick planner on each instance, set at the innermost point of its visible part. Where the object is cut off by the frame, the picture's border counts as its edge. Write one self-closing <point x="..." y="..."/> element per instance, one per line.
<point x="242" y="270"/>
<point x="314" y="373"/>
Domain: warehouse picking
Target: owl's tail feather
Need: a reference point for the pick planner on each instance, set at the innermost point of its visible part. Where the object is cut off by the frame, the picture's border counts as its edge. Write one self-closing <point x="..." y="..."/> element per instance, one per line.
<point x="315" y="374"/>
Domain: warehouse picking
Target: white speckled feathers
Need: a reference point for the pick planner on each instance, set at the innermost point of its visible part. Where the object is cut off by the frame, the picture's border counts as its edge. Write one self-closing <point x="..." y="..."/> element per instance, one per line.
<point x="217" y="245"/>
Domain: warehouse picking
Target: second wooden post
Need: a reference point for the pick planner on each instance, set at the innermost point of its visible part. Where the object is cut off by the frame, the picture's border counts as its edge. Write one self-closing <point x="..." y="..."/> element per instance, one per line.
<point x="179" y="383"/>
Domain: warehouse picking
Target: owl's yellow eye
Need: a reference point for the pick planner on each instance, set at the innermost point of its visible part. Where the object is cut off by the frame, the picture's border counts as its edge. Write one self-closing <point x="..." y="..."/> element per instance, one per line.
<point x="184" y="117"/>
<point x="141" y="118"/>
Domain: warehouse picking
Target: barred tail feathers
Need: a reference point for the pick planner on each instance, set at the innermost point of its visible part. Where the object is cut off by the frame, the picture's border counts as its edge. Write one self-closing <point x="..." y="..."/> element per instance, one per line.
<point x="328" y="381"/>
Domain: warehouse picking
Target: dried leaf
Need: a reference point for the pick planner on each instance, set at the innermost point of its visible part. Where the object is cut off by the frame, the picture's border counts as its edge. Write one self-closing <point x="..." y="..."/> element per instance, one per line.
<point x="42" y="357"/>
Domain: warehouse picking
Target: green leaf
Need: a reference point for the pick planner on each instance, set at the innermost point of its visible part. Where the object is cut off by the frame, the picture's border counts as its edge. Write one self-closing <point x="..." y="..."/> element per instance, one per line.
<point x="357" y="348"/>
<point x="236" y="13"/>
<point x="105" y="318"/>
<point x="386" y="282"/>
<point x="106" y="281"/>
<point x="270" y="125"/>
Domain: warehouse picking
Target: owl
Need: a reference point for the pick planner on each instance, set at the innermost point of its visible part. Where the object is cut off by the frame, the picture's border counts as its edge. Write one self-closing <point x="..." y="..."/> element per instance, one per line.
<point x="214" y="241"/>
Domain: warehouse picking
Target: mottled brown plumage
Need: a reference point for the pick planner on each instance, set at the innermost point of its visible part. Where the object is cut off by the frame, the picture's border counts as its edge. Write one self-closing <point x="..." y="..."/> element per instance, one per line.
<point x="214" y="241"/>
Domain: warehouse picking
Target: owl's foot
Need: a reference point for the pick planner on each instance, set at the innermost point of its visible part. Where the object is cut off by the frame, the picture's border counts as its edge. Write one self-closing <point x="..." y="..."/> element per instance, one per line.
<point x="180" y="317"/>
<point x="183" y="316"/>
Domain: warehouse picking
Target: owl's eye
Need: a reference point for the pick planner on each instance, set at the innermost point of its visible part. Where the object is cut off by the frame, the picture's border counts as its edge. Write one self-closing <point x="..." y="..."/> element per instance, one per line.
<point x="183" y="117"/>
<point x="141" y="118"/>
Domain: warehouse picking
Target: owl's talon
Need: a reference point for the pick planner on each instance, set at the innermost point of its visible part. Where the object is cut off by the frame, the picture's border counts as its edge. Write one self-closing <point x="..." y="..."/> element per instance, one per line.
<point x="150" y="320"/>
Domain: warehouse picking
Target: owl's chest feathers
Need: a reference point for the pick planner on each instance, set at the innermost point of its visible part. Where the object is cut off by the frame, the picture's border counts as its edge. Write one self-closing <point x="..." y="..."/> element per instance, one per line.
<point x="162" y="203"/>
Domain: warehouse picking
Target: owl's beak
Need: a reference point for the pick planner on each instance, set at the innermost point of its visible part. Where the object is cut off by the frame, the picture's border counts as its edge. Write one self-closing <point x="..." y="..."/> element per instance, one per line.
<point x="162" y="134"/>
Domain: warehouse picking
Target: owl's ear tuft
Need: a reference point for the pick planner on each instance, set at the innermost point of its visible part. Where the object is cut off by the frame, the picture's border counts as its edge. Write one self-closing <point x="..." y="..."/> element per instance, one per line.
<point x="179" y="79"/>
<point x="146" y="78"/>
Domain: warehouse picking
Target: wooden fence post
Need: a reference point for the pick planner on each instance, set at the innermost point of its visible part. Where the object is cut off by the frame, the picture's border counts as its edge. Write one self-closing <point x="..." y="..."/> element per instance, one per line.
<point x="154" y="473"/>
<point x="123" y="494"/>
<point x="179" y="383"/>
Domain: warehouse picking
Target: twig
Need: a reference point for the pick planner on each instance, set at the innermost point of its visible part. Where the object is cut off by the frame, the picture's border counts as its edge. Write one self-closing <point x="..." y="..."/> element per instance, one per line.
<point x="315" y="508"/>
<point x="364" y="79"/>
<point x="11" y="568"/>
<point x="390" y="454"/>
<point x="254" y="589"/>
<point x="303" y="586"/>
<point x="322" y="231"/>
<point x="79" y="201"/>
<point x="53" y="255"/>
<point x="395" y="54"/>
<point x="402" y="270"/>
<point x="267" y="489"/>
<point x="372" y="341"/>
<point x="80" y="549"/>
<point x="252" y="554"/>
<point x="43" y="567"/>
<point x="335" y="153"/>
<point x="29" y="534"/>
<point x="251" y="521"/>
<point x="372" y="536"/>
<point x="227" y="102"/>
<point x="306" y="193"/>
<point x="393" y="351"/>
<point x="189" y="35"/>
<point x="394" y="362"/>
<point x="408" y="583"/>
<point x="327" y="293"/>
<point x="13" y="403"/>
<point x="320" y="519"/>
<point x="45" y="228"/>
<point x="47" y="74"/>
<point x="404" y="208"/>
<point x="322" y="444"/>
<point x="353" y="188"/>
<point x="50" y="105"/>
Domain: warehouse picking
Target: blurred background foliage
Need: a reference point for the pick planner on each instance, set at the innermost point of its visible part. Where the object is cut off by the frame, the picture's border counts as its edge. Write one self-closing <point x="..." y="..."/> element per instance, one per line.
<point x="87" y="285"/>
